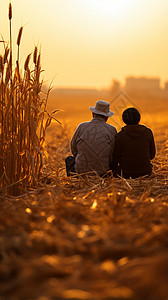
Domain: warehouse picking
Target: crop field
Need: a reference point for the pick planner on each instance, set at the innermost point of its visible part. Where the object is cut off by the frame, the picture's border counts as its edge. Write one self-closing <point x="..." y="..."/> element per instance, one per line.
<point x="78" y="238"/>
<point x="87" y="238"/>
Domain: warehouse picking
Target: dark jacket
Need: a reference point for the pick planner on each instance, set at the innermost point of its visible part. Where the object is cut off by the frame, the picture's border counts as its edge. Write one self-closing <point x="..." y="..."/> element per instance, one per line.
<point x="133" y="150"/>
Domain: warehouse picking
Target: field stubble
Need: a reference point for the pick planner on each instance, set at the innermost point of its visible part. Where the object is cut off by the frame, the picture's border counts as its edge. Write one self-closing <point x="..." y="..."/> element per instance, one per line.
<point x="87" y="238"/>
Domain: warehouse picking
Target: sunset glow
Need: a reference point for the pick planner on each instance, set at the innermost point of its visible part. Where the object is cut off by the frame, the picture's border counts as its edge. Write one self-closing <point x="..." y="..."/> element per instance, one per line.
<point x="87" y="43"/>
<point x="107" y="6"/>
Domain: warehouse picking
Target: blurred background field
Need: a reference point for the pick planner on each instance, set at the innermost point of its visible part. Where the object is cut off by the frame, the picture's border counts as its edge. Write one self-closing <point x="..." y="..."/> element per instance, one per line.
<point x="74" y="106"/>
<point x="88" y="238"/>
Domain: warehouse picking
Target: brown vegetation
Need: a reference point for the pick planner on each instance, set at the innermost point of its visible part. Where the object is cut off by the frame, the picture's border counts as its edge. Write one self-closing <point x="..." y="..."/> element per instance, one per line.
<point x="22" y="122"/>
<point x="76" y="238"/>
<point x="87" y="237"/>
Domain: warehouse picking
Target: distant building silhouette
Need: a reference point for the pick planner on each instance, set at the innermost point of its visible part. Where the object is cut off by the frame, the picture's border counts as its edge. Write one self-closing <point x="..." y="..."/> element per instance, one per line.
<point x="135" y="88"/>
<point x="142" y="86"/>
<point x="166" y="86"/>
<point x="143" y="83"/>
<point x="115" y="87"/>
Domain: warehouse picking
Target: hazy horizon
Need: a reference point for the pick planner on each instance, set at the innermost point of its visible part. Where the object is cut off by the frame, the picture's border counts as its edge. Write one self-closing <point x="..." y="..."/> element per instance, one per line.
<point x="86" y="43"/>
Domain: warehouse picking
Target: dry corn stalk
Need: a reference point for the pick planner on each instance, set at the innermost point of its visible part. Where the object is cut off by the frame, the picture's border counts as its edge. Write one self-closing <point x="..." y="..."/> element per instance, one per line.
<point x="22" y="128"/>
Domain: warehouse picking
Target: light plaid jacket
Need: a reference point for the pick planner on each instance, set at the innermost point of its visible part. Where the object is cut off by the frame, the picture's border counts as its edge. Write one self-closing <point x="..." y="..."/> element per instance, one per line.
<point x="92" y="145"/>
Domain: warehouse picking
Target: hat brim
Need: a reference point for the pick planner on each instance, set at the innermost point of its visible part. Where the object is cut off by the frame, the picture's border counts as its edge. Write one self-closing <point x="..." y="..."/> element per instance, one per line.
<point x="94" y="110"/>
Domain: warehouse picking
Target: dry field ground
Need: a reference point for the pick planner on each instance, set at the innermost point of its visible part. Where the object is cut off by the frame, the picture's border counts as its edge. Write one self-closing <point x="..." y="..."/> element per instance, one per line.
<point x="87" y="238"/>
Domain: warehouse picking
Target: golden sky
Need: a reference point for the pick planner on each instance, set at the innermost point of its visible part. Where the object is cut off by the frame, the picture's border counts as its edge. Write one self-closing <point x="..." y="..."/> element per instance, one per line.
<point x="86" y="43"/>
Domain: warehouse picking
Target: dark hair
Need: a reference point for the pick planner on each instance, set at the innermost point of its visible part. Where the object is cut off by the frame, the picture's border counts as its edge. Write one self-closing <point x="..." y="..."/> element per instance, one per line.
<point x="131" y="116"/>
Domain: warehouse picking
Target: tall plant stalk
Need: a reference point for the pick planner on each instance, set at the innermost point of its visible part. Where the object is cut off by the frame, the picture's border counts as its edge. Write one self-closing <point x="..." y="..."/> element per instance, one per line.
<point x="22" y="122"/>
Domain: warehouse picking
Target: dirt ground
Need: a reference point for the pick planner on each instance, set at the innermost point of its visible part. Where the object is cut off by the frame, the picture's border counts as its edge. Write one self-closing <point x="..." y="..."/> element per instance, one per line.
<point x="87" y="238"/>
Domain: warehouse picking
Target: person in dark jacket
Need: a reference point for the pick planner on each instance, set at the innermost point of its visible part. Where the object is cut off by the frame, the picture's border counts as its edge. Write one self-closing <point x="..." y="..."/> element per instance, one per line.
<point x="134" y="147"/>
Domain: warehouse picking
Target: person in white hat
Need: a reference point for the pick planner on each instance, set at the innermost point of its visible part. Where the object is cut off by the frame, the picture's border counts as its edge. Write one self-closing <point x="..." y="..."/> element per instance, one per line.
<point x="92" y="143"/>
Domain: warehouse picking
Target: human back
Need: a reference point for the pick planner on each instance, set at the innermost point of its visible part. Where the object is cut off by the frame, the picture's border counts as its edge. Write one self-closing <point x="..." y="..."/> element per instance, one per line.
<point x="95" y="142"/>
<point x="134" y="147"/>
<point x="92" y="143"/>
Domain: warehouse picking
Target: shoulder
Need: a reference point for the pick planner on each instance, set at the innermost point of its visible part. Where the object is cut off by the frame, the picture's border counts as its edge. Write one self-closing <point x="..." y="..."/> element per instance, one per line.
<point x="121" y="132"/>
<point x="148" y="129"/>
<point x="120" y="136"/>
<point x="149" y="132"/>
<point x="111" y="128"/>
<point x="82" y="125"/>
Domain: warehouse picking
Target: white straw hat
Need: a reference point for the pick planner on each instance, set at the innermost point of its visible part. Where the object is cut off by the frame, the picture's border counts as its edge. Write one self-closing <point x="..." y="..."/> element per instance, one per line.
<point x="102" y="108"/>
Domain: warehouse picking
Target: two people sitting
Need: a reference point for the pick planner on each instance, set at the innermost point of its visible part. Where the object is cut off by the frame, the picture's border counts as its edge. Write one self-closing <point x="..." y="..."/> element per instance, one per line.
<point x="97" y="147"/>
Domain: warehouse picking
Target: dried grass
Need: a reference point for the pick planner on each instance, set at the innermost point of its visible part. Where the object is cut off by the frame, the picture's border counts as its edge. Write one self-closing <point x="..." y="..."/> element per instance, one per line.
<point x="22" y="121"/>
<point x="82" y="237"/>
<point x="87" y="237"/>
